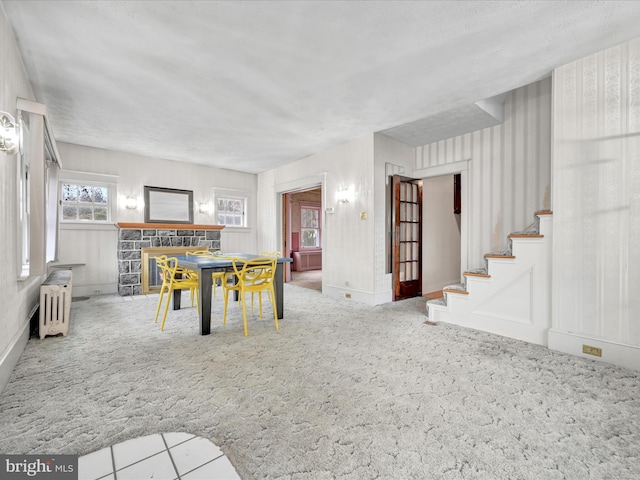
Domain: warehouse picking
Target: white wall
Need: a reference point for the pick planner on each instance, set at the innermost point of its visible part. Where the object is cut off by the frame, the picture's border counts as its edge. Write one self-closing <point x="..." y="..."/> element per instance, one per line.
<point x="386" y="151"/>
<point x="96" y="247"/>
<point x="509" y="176"/>
<point x="353" y="248"/>
<point x="596" y="203"/>
<point x="348" y="241"/>
<point x="16" y="297"/>
<point x="440" y="235"/>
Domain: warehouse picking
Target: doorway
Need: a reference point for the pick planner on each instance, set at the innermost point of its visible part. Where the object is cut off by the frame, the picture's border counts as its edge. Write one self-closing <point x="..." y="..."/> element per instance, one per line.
<point x="302" y="236"/>
<point x="441" y="233"/>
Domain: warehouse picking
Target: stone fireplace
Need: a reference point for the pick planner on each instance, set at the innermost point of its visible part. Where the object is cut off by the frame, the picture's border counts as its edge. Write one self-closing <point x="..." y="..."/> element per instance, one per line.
<point x="133" y="237"/>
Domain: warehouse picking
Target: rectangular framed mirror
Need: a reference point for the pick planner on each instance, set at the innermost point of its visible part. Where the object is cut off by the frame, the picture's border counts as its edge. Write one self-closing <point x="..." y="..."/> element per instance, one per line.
<point x="167" y="205"/>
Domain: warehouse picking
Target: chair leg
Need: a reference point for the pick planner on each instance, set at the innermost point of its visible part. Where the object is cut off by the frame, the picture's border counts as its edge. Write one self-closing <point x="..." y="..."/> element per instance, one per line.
<point x="244" y="313"/>
<point x="166" y="309"/>
<point x="162" y="289"/>
<point x="272" y="294"/>
<point x="226" y="302"/>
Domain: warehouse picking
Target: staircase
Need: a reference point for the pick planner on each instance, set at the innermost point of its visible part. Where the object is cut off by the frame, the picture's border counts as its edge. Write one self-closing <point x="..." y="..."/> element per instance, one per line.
<point x="511" y="294"/>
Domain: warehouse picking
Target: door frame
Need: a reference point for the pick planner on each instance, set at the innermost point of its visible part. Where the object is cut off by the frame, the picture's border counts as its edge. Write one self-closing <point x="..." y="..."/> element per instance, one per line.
<point x="461" y="167"/>
<point x="305" y="183"/>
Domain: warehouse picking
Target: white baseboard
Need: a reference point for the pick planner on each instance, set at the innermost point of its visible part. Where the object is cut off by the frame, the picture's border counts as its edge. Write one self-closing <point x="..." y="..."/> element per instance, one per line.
<point x="612" y="352"/>
<point x="12" y="354"/>
<point x="91" y="290"/>
<point x="357" y="295"/>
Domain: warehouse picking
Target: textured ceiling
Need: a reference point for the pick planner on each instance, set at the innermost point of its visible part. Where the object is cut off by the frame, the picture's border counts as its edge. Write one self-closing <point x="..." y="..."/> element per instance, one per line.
<point x="250" y="85"/>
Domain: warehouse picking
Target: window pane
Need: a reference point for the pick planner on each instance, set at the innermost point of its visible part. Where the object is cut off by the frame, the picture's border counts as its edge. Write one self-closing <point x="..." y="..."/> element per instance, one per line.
<point x="69" y="192"/>
<point x="237" y="221"/>
<point x="222" y="205"/>
<point x="309" y="238"/>
<point x="309" y="218"/>
<point x="69" y="212"/>
<point x="85" y="213"/>
<point x="99" y="195"/>
<point x="236" y="206"/>
<point x="85" y="193"/>
<point x="100" y="214"/>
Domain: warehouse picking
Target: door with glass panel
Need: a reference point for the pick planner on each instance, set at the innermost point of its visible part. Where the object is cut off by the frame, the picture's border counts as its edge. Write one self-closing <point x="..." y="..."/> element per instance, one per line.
<point x="407" y="235"/>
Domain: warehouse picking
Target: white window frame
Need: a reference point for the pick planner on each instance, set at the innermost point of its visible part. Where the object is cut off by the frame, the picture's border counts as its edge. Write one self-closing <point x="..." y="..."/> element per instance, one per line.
<point x="219" y="195"/>
<point x="318" y="208"/>
<point x="97" y="180"/>
<point x="24" y="198"/>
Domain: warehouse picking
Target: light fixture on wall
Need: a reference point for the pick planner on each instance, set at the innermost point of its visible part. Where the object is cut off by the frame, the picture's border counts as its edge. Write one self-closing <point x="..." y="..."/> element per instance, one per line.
<point x="203" y="207"/>
<point x="345" y="194"/>
<point x="131" y="203"/>
<point x="9" y="134"/>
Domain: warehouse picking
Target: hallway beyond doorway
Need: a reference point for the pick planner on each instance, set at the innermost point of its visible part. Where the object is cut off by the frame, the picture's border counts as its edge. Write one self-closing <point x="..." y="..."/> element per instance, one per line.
<point x="307" y="279"/>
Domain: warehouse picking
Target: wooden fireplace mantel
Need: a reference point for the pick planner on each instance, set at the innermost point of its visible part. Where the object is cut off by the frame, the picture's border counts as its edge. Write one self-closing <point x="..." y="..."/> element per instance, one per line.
<point x="170" y="226"/>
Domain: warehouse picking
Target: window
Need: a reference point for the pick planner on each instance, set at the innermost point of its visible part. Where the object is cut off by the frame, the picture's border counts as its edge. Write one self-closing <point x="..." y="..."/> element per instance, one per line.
<point x="231" y="211"/>
<point x="310" y="227"/>
<point x="85" y="202"/>
<point x="24" y="183"/>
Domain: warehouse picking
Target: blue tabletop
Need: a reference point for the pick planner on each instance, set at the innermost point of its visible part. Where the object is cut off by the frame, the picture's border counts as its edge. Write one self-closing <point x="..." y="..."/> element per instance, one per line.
<point x="197" y="261"/>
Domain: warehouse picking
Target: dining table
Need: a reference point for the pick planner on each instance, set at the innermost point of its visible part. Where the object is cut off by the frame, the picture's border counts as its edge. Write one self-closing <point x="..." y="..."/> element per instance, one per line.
<point x="206" y="265"/>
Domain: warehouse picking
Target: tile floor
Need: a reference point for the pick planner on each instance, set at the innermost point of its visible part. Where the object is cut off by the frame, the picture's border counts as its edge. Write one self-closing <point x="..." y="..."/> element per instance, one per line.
<point x="167" y="456"/>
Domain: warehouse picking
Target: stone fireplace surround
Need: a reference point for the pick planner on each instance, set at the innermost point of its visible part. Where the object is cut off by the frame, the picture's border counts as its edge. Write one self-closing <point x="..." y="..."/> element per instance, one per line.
<point x="133" y="237"/>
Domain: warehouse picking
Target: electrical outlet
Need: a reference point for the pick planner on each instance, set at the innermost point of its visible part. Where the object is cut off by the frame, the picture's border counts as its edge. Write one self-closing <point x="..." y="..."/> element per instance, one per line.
<point x="589" y="350"/>
<point x="347" y="295"/>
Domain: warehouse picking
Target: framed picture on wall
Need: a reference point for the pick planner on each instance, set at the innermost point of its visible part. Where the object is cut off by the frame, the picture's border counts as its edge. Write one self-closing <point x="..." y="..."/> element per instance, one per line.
<point x="167" y="205"/>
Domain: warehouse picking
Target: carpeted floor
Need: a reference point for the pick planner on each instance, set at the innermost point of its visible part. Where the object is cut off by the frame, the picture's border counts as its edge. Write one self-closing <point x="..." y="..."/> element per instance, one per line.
<point x="307" y="279"/>
<point x="343" y="390"/>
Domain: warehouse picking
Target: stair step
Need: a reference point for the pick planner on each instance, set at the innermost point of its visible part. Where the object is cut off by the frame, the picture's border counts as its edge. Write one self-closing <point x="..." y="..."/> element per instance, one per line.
<point x="498" y="255"/>
<point x="476" y="274"/>
<point x="526" y="235"/>
<point x="437" y="301"/>
<point x="455" y="290"/>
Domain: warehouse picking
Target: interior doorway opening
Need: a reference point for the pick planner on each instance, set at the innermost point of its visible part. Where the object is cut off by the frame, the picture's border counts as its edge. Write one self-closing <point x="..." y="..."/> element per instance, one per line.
<point x="302" y="236"/>
<point x="442" y="233"/>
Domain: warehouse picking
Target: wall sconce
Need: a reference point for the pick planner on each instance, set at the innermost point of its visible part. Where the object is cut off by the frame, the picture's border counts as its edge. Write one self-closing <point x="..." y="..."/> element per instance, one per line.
<point x="9" y="134"/>
<point x="131" y="203"/>
<point x="345" y="194"/>
<point x="203" y="207"/>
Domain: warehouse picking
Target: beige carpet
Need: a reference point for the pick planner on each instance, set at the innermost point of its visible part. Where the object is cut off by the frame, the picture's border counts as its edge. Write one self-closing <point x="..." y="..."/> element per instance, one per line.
<point x="308" y="279"/>
<point x="343" y="390"/>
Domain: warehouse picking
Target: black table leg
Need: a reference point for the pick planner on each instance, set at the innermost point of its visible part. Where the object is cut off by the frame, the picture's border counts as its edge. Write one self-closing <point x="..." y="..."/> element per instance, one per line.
<point x="206" y="285"/>
<point x="177" y="296"/>
<point x="279" y="288"/>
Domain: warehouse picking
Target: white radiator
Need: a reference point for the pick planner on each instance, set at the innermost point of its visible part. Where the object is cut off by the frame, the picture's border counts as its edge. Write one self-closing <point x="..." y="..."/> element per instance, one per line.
<point x="307" y="260"/>
<point x="55" y="303"/>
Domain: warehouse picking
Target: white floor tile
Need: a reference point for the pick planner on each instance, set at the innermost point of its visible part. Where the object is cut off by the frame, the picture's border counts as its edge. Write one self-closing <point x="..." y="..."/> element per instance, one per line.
<point x="193" y="454"/>
<point x="131" y="451"/>
<point x="95" y="465"/>
<point x="158" y="467"/>
<point x="220" y="469"/>
<point x="175" y="438"/>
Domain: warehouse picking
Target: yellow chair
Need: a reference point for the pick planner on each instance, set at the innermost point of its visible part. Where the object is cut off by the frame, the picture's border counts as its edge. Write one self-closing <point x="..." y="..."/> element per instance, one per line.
<point x="253" y="276"/>
<point x="215" y="275"/>
<point x="173" y="278"/>
<point x="264" y="253"/>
